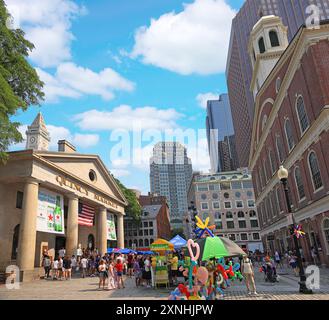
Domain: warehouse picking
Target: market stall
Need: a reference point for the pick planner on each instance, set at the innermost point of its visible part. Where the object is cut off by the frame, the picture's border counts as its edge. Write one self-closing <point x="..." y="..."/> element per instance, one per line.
<point x="160" y="274"/>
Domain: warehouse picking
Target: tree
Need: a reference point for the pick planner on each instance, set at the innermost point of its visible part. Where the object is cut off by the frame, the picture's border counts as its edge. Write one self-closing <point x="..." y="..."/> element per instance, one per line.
<point x="133" y="209"/>
<point x="20" y="86"/>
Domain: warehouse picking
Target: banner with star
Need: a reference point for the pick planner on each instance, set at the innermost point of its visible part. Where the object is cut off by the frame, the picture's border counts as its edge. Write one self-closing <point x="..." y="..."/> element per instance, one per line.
<point x="50" y="215"/>
<point x="111" y="234"/>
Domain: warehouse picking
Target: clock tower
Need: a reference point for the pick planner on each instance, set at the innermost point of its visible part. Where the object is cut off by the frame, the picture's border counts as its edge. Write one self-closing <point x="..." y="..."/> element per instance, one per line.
<point x="37" y="135"/>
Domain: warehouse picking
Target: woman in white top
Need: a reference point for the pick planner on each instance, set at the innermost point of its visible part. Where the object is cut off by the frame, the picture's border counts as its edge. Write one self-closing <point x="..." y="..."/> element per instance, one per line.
<point x="102" y="273"/>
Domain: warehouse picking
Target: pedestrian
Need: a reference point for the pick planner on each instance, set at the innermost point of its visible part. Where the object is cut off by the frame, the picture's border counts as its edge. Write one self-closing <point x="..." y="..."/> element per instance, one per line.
<point x="67" y="268"/>
<point x="119" y="270"/>
<point x="60" y="268"/>
<point x="111" y="283"/>
<point x="84" y="265"/>
<point x="248" y="273"/>
<point x="91" y="266"/>
<point x="55" y="269"/>
<point x="277" y="258"/>
<point x="147" y="272"/>
<point x="74" y="264"/>
<point x="61" y="252"/>
<point x="293" y="264"/>
<point x="46" y="262"/>
<point x="130" y="265"/>
<point x="137" y="272"/>
<point x="102" y="274"/>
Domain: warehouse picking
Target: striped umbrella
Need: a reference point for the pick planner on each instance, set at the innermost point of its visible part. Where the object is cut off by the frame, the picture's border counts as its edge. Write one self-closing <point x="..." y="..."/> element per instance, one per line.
<point x="218" y="247"/>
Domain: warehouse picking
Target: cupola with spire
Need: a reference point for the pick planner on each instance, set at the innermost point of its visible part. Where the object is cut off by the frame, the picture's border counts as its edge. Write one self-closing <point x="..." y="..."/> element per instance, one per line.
<point x="37" y="135"/>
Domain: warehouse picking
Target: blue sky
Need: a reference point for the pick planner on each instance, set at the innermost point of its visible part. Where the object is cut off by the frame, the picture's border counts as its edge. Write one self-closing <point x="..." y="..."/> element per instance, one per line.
<point x="108" y="64"/>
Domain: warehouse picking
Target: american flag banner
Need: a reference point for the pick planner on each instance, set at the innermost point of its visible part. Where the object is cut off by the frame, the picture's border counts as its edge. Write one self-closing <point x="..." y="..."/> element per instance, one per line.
<point x="86" y="215"/>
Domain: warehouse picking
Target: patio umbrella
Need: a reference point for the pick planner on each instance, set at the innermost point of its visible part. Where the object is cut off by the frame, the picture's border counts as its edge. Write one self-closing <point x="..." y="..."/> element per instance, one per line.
<point x="216" y="247"/>
<point x="178" y="242"/>
<point x="127" y="251"/>
<point x="161" y="245"/>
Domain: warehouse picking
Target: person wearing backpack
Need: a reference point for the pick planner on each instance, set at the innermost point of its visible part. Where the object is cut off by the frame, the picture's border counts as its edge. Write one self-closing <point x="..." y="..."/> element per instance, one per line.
<point x="248" y="273"/>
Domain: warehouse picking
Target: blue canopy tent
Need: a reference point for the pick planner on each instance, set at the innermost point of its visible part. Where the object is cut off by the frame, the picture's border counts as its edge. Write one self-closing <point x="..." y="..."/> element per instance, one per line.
<point x="145" y="252"/>
<point x="123" y="251"/>
<point x="178" y="242"/>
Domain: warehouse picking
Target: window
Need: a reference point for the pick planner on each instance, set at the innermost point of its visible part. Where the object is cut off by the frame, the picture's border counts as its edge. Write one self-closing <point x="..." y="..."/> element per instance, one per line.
<point x="140" y="242"/>
<point x="146" y="243"/>
<point x="247" y="184"/>
<point x="299" y="183"/>
<point x="251" y="203"/>
<point x="315" y="171"/>
<point x="289" y="134"/>
<point x="252" y="213"/>
<point x="240" y="214"/>
<point x="249" y="194"/>
<point x="14" y="247"/>
<point x="227" y="205"/>
<point x="274" y="39"/>
<point x="232" y="237"/>
<point x="255" y="236"/>
<point x="244" y="236"/>
<point x="229" y="215"/>
<point x="151" y="232"/>
<point x="215" y="205"/>
<point x="204" y="205"/>
<point x="272" y="161"/>
<point x="150" y="224"/>
<point x="279" y="148"/>
<point x="225" y="186"/>
<point x="261" y="45"/>
<point x="302" y="116"/>
<point x="140" y="233"/>
<point x="239" y="204"/>
<point x="226" y="195"/>
<point x="92" y="175"/>
<point x="238" y="194"/>
<point x="242" y="224"/>
<point x="202" y="187"/>
<point x="218" y="216"/>
<point x="19" y="200"/>
<point x="254" y="223"/>
<point x="215" y="196"/>
<point x="203" y="196"/>
<point x="326" y="230"/>
<point x="236" y="185"/>
<point x="146" y="232"/>
<point x="145" y="224"/>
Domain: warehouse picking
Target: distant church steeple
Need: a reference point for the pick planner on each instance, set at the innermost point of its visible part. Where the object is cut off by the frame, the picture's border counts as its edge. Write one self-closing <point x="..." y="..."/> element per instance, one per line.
<point x="37" y="135"/>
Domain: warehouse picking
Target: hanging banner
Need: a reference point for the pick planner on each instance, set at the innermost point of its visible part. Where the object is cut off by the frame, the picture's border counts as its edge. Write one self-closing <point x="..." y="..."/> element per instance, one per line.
<point x="50" y="216"/>
<point x="111" y="234"/>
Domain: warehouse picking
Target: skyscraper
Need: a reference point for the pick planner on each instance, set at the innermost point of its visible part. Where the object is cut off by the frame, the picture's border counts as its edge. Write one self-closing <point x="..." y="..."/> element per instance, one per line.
<point x="170" y="176"/>
<point x="239" y="69"/>
<point x="220" y="135"/>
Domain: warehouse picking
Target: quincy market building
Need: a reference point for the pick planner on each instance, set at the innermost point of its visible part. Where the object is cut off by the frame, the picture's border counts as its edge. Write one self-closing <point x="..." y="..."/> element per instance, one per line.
<point x="51" y="200"/>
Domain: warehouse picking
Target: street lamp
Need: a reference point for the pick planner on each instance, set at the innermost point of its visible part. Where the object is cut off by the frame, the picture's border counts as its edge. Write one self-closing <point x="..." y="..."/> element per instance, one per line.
<point x="283" y="176"/>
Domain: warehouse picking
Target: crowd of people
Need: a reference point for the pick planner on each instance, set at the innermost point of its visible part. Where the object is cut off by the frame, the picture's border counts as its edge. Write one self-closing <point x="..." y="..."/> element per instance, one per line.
<point x="110" y="268"/>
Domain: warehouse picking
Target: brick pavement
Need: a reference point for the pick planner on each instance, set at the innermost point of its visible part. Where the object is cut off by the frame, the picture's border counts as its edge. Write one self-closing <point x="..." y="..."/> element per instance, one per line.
<point x="87" y="289"/>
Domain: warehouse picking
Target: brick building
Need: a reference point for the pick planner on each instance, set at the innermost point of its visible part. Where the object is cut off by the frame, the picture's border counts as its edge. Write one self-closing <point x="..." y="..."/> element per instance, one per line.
<point x="155" y="222"/>
<point x="291" y="128"/>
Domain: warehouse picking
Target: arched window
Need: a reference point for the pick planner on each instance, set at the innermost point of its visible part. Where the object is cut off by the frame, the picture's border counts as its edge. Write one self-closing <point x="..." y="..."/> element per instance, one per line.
<point x="151" y="241"/>
<point x="146" y="242"/>
<point x="229" y="215"/>
<point x="240" y="214"/>
<point x="130" y="243"/>
<point x="252" y="213"/>
<point x="289" y="134"/>
<point x="302" y="116"/>
<point x="326" y="230"/>
<point x="140" y="243"/>
<point x="274" y="38"/>
<point x="315" y="171"/>
<point x="272" y="161"/>
<point x="91" y="242"/>
<point x="299" y="183"/>
<point x="15" y="243"/>
<point x="261" y="45"/>
<point x="279" y="149"/>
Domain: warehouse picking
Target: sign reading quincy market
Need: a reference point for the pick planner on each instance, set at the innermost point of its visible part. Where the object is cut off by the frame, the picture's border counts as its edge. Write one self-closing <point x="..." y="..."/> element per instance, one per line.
<point x="62" y="181"/>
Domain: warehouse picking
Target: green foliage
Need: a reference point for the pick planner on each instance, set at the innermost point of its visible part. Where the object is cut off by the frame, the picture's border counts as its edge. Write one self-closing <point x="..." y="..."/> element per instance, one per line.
<point x="20" y="85"/>
<point x="133" y="209"/>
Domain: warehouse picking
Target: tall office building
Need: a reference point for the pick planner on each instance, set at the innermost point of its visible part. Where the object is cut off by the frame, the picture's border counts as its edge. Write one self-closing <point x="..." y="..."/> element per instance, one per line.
<point x="220" y="135"/>
<point x="239" y="69"/>
<point x="170" y="176"/>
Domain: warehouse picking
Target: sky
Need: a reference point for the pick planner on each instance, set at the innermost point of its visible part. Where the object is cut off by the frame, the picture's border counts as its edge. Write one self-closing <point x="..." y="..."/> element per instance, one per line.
<point x="122" y="75"/>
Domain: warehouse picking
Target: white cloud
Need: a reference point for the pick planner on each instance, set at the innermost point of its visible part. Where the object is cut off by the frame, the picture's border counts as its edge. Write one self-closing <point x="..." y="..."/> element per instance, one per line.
<point x="125" y="117"/>
<point x="74" y="81"/>
<point x="199" y="155"/>
<point x="202" y="98"/>
<point x="85" y="140"/>
<point x="194" y="40"/>
<point x="120" y="172"/>
<point x="47" y="24"/>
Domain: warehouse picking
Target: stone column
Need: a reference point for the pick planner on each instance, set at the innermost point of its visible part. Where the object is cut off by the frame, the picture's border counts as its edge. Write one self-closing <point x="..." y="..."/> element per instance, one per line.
<point x="28" y="225"/>
<point x="102" y="230"/>
<point x="121" y="242"/>
<point x="72" y="230"/>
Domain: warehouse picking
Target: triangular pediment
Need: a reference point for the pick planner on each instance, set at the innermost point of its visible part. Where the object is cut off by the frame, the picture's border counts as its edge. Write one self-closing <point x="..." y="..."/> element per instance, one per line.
<point x="85" y="168"/>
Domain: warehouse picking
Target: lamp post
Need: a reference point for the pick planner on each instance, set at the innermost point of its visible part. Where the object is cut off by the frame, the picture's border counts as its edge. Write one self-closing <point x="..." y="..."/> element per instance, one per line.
<point x="283" y="176"/>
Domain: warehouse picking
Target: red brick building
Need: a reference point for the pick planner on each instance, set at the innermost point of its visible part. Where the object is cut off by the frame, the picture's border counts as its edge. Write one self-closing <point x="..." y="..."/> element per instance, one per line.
<point x="291" y="128"/>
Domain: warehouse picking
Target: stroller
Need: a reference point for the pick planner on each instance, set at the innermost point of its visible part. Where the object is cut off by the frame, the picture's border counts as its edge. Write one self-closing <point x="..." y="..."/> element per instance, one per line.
<point x="270" y="274"/>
